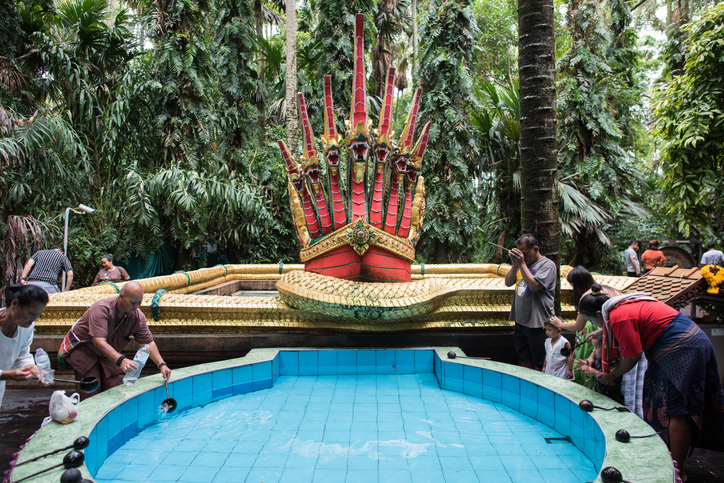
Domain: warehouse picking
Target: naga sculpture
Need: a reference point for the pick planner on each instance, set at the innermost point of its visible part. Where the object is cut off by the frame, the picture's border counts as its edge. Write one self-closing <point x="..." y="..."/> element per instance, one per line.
<point x="367" y="228"/>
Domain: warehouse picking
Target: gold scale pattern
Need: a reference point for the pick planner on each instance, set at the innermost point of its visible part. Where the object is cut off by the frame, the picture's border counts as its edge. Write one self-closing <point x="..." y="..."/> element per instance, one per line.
<point x="446" y="296"/>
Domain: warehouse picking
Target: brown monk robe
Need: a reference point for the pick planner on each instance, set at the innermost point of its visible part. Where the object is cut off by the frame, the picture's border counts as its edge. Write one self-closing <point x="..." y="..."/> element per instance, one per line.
<point x="110" y="273"/>
<point x="106" y="328"/>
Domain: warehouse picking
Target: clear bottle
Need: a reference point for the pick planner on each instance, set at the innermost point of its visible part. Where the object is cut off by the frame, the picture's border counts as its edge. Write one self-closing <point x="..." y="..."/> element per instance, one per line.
<point x="140" y="359"/>
<point x="43" y="362"/>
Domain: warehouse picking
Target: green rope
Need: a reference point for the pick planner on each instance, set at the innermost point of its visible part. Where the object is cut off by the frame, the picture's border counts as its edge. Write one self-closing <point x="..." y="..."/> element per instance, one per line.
<point x="187" y="276"/>
<point x="108" y="282"/>
<point x="155" y="308"/>
<point x="226" y="272"/>
<point x="281" y="267"/>
<point x="422" y="268"/>
<point x="497" y="272"/>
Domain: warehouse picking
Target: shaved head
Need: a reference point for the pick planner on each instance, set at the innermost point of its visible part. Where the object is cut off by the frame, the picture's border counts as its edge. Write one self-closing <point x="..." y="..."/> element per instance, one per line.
<point x="132" y="288"/>
<point x="130" y="298"/>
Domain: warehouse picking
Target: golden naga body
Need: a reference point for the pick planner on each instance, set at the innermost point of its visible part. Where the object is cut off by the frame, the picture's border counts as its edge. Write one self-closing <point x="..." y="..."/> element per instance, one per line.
<point x="438" y="297"/>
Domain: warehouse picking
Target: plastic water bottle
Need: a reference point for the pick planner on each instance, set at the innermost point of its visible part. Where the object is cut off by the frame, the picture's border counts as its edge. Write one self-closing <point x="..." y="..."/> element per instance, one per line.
<point x="140" y="359"/>
<point x="43" y="362"/>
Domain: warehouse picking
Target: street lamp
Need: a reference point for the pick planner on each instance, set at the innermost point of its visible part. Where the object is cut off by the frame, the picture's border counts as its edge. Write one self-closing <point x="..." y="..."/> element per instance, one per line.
<point x="84" y="209"/>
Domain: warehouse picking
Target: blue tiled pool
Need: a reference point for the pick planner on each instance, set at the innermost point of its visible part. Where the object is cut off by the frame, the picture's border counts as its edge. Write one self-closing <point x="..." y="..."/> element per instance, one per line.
<point x="349" y="428"/>
<point x="345" y="416"/>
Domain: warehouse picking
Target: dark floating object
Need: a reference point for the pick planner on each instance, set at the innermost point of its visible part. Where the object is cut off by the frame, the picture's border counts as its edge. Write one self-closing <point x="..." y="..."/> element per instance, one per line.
<point x="623" y="436"/>
<point x="588" y="406"/>
<point x="169" y="404"/>
<point x="74" y="459"/>
<point x="72" y="475"/>
<point x="79" y="444"/>
<point x="87" y="384"/>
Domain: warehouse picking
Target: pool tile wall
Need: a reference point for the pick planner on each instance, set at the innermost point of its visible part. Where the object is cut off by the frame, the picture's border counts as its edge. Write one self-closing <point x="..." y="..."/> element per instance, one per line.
<point x="547" y="399"/>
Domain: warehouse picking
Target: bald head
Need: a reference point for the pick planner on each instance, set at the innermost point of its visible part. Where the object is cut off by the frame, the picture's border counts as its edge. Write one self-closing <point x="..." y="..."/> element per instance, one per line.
<point x="130" y="298"/>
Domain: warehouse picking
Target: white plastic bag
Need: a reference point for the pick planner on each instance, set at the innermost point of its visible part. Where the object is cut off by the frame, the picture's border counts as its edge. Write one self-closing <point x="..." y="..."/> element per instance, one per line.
<point x="62" y="407"/>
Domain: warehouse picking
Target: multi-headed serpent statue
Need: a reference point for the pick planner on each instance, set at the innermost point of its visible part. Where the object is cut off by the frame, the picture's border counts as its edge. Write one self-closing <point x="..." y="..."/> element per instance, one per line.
<point x="366" y="231"/>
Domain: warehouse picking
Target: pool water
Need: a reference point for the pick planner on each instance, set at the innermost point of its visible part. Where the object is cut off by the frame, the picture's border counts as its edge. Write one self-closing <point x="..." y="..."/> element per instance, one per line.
<point x="348" y="429"/>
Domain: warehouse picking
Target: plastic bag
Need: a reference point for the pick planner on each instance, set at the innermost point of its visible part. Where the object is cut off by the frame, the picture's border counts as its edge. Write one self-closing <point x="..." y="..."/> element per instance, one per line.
<point x="62" y="407"/>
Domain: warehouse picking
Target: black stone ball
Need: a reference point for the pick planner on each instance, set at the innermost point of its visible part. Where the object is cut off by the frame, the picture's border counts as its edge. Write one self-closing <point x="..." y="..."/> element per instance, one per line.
<point x="611" y="475"/>
<point x="623" y="436"/>
<point x="73" y="459"/>
<point x="81" y="443"/>
<point x="451" y="355"/>
<point x="586" y="405"/>
<point x="71" y="475"/>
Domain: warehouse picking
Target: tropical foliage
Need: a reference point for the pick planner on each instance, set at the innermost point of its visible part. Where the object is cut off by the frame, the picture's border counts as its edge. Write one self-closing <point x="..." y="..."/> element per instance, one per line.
<point x="690" y="120"/>
<point x="447" y="41"/>
<point x="163" y="116"/>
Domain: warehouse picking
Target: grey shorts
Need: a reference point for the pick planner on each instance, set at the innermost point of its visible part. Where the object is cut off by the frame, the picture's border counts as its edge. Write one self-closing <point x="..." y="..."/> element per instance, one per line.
<point x="48" y="287"/>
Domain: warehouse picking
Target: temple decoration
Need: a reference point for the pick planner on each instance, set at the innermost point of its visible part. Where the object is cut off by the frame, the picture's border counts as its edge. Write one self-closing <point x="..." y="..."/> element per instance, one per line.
<point x="365" y="227"/>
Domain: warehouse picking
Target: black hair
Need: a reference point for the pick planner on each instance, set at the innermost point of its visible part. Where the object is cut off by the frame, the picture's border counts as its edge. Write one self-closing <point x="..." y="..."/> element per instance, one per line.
<point x="581" y="280"/>
<point x="654" y="245"/>
<point x="25" y="295"/>
<point x="528" y="240"/>
<point x="57" y="247"/>
<point x="597" y="336"/>
<point x="108" y="257"/>
<point x="711" y="244"/>
<point x="548" y="323"/>
<point x="592" y="303"/>
<point x="634" y="241"/>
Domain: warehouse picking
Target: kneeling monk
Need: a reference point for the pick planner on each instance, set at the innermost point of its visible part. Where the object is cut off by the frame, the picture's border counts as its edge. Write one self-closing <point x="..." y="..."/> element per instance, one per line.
<point x="92" y="346"/>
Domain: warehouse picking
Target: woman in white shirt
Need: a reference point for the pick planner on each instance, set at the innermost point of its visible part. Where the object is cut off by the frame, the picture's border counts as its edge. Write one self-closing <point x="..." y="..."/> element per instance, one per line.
<point x="24" y="304"/>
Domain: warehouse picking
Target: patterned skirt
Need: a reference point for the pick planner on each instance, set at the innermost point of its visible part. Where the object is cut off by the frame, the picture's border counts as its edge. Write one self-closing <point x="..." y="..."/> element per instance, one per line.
<point x="684" y="357"/>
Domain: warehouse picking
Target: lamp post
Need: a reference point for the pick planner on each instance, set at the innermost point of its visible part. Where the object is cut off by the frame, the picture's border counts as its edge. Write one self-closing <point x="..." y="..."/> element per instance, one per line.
<point x="84" y="209"/>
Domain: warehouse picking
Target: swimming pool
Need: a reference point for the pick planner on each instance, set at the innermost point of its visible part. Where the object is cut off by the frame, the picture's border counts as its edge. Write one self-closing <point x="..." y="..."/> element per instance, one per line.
<point x="496" y="422"/>
<point x="397" y="428"/>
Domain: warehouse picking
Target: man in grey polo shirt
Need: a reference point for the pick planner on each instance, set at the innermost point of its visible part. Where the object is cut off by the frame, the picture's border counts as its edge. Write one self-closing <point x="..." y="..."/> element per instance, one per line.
<point x="46" y="266"/>
<point x="534" y="277"/>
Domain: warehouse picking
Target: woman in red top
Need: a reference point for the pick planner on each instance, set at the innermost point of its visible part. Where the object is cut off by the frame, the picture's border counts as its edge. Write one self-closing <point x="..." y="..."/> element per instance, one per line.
<point x="653" y="257"/>
<point x="683" y="397"/>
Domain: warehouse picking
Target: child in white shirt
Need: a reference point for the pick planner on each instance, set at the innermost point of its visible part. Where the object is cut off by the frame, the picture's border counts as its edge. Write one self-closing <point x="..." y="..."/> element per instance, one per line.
<point x="556" y="364"/>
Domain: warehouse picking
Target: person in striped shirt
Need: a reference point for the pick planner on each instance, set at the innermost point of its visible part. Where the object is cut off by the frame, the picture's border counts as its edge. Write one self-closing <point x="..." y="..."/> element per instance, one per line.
<point x="46" y="266"/>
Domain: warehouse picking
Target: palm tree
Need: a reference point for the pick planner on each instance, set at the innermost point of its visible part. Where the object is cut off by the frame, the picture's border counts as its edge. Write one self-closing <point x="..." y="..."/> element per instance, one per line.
<point x="291" y="68"/>
<point x="538" y="159"/>
<point x="392" y="20"/>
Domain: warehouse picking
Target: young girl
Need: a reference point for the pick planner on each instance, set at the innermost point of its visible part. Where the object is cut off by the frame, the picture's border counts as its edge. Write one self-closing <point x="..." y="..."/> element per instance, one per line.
<point x="556" y="364"/>
<point x="592" y="367"/>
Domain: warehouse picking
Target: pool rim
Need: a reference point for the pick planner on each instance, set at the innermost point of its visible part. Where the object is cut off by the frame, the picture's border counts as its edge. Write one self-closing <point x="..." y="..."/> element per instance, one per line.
<point x="652" y="461"/>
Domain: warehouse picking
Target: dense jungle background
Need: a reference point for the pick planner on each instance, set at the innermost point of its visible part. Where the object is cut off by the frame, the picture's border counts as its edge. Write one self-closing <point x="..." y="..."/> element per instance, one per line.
<point x="163" y="115"/>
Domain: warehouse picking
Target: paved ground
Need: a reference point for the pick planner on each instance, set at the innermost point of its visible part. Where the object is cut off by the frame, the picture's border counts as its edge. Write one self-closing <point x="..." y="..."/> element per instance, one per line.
<point x="23" y="411"/>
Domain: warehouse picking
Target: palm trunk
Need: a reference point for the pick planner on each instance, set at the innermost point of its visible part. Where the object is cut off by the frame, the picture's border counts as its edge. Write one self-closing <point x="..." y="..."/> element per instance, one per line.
<point x="291" y="94"/>
<point x="260" y="65"/>
<point x="413" y="7"/>
<point x="539" y="162"/>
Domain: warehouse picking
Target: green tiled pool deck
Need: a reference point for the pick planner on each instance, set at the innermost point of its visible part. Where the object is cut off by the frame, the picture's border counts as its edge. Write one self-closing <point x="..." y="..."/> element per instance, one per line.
<point x="345" y="416"/>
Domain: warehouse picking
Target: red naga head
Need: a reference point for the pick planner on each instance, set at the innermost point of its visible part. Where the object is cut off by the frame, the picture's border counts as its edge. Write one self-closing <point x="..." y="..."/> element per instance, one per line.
<point x="413" y="168"/>
<point x="382" y="148"/>
<point x="358" y="136"/>
<point x="331" y="139"/>
<point x="310" y="160"/>
<point x="293" y="171"/>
